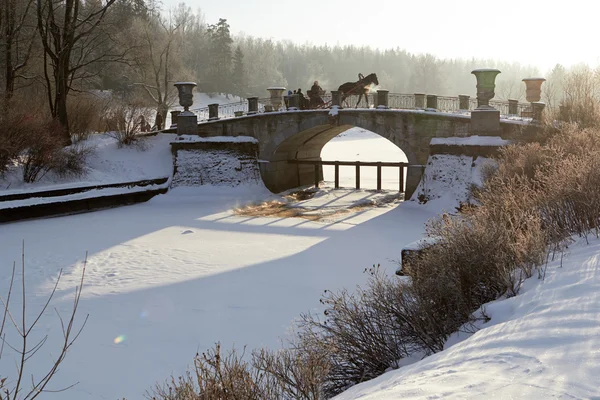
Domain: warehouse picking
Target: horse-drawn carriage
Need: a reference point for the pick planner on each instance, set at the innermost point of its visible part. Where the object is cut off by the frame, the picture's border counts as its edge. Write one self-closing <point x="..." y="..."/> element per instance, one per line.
<point x="359" y="88"/>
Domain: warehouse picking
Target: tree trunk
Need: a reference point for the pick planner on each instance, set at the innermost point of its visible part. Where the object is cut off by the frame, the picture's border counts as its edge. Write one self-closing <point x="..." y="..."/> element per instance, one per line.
<point x="60" y="99"/>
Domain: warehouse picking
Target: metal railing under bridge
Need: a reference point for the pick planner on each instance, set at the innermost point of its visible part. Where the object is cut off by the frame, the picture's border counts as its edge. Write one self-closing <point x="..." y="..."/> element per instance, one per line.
<point x="398" y="101"/>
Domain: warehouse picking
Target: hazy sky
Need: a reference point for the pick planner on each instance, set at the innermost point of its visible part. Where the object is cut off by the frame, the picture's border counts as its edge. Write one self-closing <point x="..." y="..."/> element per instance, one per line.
<point x="541" y="32"/>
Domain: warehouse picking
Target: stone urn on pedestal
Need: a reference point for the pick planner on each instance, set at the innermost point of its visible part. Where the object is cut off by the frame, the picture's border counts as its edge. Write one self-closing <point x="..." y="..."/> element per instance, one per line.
<point x="187" y="121"/>
<point x="533" y="89"/>
<point x="485" y="119"/>
<point x="276" y="93"/>
<point x="533" y="94"/>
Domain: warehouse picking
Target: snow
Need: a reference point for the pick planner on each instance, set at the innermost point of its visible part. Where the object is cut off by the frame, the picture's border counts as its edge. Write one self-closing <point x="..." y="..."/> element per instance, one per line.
<point x="228" y="139"/>
<point x="471" y="141"/>
<point x="108" y="164"/>
<point x="447" y="179"/>
<point x="170" y="277"/>
<point x="543" y="343"/>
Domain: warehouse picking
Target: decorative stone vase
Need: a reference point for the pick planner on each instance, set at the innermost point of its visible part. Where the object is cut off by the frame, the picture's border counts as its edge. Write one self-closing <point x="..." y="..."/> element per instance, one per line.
<point x="486" y="83"/>
<point x="533" y="89"/>
<point x="276" y="96"/>
<point x="186" y="96"/>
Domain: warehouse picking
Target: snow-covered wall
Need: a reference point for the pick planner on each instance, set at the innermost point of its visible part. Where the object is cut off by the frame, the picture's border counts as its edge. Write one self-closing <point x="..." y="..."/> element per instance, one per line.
<point x="449" y="178"/>
<point x="229" y="163"/>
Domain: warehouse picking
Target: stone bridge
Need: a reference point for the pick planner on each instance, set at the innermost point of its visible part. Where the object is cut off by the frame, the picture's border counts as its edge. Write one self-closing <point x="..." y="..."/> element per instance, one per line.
<point x="301" y="135"/>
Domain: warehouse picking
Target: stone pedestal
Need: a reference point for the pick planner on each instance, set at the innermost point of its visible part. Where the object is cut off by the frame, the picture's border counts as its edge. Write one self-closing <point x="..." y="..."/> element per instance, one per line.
<point x="419" y="100"/>
<point x="174" y="115"/>
<point x="213" y="112"/>
<point x="463" y="101"/>
<point x="432" y="101"/>
<point x="187" y="123"/>
<point x="382" y="98"/>
<point x="538" y="110"/>
<point x="252" y="105"/>
<point x="485" y="122"/>
<point x="513" y="107"/>
<point x="336" y="99"/>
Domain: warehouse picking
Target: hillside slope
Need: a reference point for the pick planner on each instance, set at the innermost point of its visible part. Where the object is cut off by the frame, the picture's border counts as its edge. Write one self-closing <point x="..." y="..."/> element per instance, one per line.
<point x="543" y="343"/>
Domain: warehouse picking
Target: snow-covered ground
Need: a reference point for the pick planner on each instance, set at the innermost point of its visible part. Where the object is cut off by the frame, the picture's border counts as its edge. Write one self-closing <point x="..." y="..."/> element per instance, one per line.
<point x="172" y="276"/>
<point x="108" y="164"/>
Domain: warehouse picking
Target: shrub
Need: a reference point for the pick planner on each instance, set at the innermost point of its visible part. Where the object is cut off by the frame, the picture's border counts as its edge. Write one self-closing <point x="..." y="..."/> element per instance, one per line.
<point x="123" y="121"/>
<point x="361" y="335"/>
<point x="85" y="115"/>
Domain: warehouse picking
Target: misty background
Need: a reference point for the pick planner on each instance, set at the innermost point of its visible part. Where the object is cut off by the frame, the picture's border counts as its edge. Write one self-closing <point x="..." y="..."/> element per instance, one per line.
<point x="144" y="46"/>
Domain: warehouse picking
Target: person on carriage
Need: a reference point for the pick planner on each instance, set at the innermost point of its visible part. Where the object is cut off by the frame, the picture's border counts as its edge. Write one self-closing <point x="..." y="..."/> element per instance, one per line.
<point x="286" y="99"/>
<point x="302" y="100"/>
<point x="314" y="94"/>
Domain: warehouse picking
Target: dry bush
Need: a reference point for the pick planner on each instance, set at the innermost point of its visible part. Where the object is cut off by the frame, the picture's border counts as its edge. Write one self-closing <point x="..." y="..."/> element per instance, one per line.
<point x="581" y="103"/>
<point x="28" y="139"/>
<point x="293" y="373"/>
<point x="85" y="115"/>
<point x="288" y="374"/>
<point x="20" y="124"/>
<point x="124" y="120"/>
<point x="362" y="339"/>
<point x="215" y="376"/>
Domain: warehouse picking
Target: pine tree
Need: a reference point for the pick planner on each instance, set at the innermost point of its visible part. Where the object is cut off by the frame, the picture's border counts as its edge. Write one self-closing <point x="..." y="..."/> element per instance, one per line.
<point x="219" y="68"/>
<point x="238" y="78"/>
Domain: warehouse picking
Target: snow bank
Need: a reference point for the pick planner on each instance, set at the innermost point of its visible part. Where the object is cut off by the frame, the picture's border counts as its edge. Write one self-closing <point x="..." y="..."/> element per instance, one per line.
<point x="541" y="344"/>
<point x="447" y="179"/>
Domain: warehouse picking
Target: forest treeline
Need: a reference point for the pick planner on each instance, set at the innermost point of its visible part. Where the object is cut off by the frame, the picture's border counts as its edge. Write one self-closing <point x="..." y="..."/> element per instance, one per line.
<point x="59" y="50"/>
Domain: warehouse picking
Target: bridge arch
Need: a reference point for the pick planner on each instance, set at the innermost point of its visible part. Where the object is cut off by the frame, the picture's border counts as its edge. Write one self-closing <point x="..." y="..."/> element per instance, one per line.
<point x="307" y="144"/>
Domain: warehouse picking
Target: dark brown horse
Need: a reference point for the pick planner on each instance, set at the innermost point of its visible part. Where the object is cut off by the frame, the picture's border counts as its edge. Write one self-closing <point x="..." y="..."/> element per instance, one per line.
<point x="361" y="88"/>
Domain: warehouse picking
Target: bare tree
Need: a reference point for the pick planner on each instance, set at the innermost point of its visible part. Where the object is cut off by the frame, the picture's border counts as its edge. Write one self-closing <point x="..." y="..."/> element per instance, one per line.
<point x="71" y="38"/>
<point x="18" y="40"/>
<point x="156" y="61"/>
<point x="25" y="350"/>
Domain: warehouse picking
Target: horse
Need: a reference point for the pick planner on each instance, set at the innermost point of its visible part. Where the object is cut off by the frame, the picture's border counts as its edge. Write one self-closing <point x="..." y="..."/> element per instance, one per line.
<point x="361" y="88"/>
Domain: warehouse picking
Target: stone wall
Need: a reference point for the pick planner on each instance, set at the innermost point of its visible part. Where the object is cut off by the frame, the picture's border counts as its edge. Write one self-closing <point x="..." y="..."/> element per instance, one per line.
<point x="215" y="163"/>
